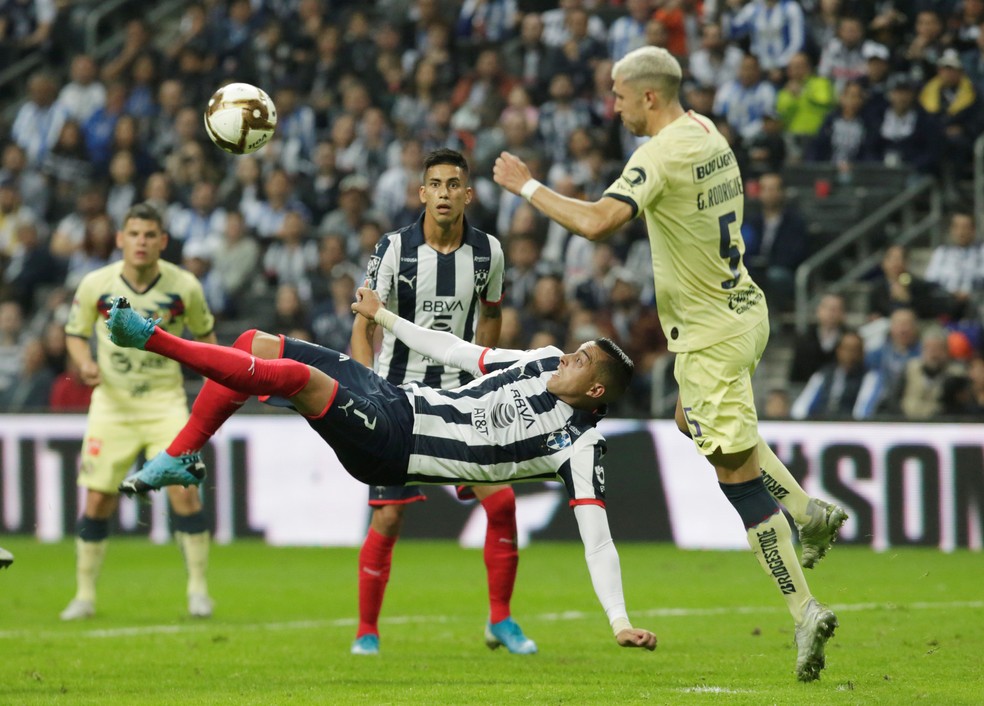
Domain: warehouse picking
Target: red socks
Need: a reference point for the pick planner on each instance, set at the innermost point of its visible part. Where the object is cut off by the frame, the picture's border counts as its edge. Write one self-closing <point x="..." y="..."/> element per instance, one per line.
<point x="375" y="559"/>
<point x="501" y="554"/>
<point x="212" y="407"/>
<point x="233" y="368"/>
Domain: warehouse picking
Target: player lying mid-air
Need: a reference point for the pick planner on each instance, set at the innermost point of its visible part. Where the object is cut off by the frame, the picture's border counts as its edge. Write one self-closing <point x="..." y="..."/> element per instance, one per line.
<point x="528" y="415"/>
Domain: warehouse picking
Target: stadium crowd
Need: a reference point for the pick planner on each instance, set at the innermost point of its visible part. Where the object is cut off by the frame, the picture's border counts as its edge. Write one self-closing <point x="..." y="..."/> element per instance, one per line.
<point x="280" y="238"/>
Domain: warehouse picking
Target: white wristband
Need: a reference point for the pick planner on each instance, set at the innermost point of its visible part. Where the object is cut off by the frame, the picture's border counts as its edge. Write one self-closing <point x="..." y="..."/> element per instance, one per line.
<point x="620" y="624"/>
<point x="385" y="318"/>
<point x="529" y="188"/>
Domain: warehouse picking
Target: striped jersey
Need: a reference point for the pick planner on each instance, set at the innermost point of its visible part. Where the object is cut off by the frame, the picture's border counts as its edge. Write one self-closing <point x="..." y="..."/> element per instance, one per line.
<point x="436" y="291"/>
<point x="506" y="427"/>
<point x="136" y="384"/>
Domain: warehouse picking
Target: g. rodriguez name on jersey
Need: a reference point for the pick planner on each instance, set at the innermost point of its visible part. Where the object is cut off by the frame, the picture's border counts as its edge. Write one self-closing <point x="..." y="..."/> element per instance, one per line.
<point x="720" y="193"/>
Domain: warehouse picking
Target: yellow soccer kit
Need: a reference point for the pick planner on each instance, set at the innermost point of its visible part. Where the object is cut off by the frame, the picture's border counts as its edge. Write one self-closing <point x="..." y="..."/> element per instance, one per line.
<point x="686" y="182"/>
<point x="140" y="404"/>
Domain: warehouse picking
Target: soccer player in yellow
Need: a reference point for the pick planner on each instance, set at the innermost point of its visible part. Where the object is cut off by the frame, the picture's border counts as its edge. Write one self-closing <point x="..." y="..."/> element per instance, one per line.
<point x="684" y="179"/>
<point x="139" y="402"/>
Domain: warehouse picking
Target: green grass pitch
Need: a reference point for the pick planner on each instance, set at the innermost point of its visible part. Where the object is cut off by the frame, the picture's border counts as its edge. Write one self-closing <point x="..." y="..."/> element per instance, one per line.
<point x="911" y="629"/>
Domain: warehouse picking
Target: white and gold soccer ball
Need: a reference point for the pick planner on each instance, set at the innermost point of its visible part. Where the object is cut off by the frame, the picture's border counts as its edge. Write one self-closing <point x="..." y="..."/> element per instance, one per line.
<point x="240" y="118"/>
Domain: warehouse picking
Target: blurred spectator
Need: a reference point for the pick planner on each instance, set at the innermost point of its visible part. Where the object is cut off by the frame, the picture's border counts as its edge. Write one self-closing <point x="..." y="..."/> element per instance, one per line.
<point x="556" y="28"/>
<point x="887" y="362"/>
<point x="767" y="149"/>
<point x="951" y="97"/>
<point x="486" y="21"/>
<point x="198" y="257"/>
<point x="898" y="288"/>
<point x="958" y="266"/>
<point x="965" y="24"/>
<point x="27" y="180"/>
<point x="918" y="393"/>
<point x="628" y="28"/>
<point x="295" y="129"/>
<point x="373" y="143"/>
<point x="843" y="57"/>
<point x="32" y="388"/>
<point x="677" y="19"/>
<point x="846" y="135"/>
<point x="331" y="317"/>
<point x="777" y="404"/>
<point x="520" y="278"/>
<point x="290" y="257"/>
<point x="66" y="166"/>
<point x="804" y="100"/>
<point x="875" y="80"/>
<point x="126" y="138"/>
<point x="101" y="125"/>
<point x="97" y="249"/>
<point x="31" y="266"/>
<point x="821" y="24"/>
<point x="561" y="115"/>
<point x="411" y="107"/>
<point x="289" y="313"/>
<point x="202" y="219"/>
<point x="744" y="101"/>
<point x="136" y="41"/>
<point x="832" y="392"/>
<point x="90" y="202"/>
<point x="973" y="62"/>
<point x="39" y="120"/>
<point x="716" y="62"/>
<point x="511" y="334"/>
<point x="163" y="135"/>
<point x="84" y="94"/>
<point x="123" y="191"/>
<point x="141" y="101"/>
<point x="12" y="340"/>
<point x="319" y="189"/>
<point x="547" y="311"/>
<point x="53" y="342"/>
<point x="926" y="47"/>
<point x="815" y="348"/>
<point x="186" y="167"/>
<point x="266" y="216"/>
<point x="13" y="212"/>
<point x="390" y="191"/>
<point x="578" y="54"/>
<point x="775" y="242"/>
<point x="777" y="29"/>
<point x="241" y="188"/>
<point x="354" y="207"/>
<point x="26" y="26"/>
<point x="594" y="293"/>
<point x="238" y="265"/>
<point x="480" y="95"/>
<point x="523" y="57"/>
<point x="906" y="135"/>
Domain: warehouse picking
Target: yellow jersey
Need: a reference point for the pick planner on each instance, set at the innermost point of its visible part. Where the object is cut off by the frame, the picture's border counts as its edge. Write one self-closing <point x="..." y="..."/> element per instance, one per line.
<point x="137" y="384"/>
<point x="686" y="181"/>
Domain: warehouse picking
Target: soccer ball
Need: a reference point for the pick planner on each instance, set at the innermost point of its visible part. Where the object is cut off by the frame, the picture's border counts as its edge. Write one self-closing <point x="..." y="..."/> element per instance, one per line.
<point x="240" y="118"/>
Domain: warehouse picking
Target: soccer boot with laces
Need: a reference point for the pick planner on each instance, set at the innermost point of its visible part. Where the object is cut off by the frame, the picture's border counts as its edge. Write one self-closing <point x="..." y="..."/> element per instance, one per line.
<point x="6" y="558"/>
<point x="366" y="645"/>
<point x="78" y="610"/>
<point x="507" y="632"/>
<point x="812" y="634"/>
<point x="164" y="469"/>
<point x="819" y="532"/>
<point x="127" y="328"/>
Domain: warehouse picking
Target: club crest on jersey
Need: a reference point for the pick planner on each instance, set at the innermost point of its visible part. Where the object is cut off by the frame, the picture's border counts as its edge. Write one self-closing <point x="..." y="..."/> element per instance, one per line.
<point x="372" y="269"/>
<point x="635" y="176"/>
<point x="503" y="414"/>
<point x="481" y="278"/>
<point x="558" y="440"/>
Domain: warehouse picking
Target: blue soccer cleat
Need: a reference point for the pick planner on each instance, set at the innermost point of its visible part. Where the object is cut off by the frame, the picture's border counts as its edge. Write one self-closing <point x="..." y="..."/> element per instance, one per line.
<point x="507" y="632"/>
<point x="163" y="470"/>
<point x="126" y="327"/>
<point x="366" y="645"/>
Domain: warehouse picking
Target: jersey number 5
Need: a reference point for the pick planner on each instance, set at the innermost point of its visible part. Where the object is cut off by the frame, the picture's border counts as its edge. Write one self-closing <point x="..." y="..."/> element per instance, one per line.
<point x="728" y="251"/>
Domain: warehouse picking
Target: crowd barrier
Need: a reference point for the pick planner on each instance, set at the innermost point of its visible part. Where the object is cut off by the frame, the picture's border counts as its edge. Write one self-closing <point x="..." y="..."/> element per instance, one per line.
<point x="271" y="477"/>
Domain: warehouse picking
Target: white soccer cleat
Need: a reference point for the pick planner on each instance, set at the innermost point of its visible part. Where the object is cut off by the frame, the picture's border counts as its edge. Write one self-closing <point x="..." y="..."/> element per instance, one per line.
<point x="6" y="558"/>
<point x="200" y="605"/>
<point x="820" y="531"/>
<point x="78" y="610"/>
<point x="812" y="634"/>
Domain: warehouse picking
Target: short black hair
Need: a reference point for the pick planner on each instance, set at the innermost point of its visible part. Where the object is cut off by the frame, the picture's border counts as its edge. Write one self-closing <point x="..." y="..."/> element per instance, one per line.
<point x="446" y="156"/>
<point x="616" y="368"/>
<point x="145" y="212"/>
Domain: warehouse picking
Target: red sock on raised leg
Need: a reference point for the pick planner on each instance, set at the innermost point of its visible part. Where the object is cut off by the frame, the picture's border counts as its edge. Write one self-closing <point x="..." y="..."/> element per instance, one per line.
<point x="233" y="368"/>
<point x="214" y="404"/>
<point x="501" y="554"/>
<point x="375" y="559"/>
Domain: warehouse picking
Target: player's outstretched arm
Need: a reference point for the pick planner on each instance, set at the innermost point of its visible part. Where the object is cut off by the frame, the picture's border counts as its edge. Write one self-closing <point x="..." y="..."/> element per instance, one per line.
<point x="595" y="220"/>
<point x="437" y="345"/>
<point x="606" y="575"/>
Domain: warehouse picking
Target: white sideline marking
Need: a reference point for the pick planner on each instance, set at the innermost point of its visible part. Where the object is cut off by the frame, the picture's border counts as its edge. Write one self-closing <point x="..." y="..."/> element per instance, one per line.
<point x="191" y="627"/>
<point x="715" y="690"/>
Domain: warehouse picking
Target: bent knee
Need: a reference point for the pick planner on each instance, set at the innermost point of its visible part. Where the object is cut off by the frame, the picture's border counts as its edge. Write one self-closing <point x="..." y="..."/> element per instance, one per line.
<point x="268" y="346"/>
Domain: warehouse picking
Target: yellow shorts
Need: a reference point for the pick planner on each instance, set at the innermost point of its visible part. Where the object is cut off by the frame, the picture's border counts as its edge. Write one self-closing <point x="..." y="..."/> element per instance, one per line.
<point x="716" y="391"/>
<point x="109" y="448"/>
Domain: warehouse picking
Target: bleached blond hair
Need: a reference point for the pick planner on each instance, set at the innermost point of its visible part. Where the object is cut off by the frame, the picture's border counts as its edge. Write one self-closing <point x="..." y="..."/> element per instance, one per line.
<point x="651" y="67"/>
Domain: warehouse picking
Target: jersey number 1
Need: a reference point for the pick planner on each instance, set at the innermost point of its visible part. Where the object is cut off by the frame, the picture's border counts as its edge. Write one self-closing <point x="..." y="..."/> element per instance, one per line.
<point x="728" y="251"/>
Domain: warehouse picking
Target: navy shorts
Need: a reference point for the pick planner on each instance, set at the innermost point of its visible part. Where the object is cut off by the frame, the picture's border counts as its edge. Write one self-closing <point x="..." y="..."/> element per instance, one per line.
<point x="369" y="424"/>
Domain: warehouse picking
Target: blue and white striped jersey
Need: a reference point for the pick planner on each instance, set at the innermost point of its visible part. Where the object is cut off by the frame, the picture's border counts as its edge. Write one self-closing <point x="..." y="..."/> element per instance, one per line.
<point x="506" y="427"/>
<point x="436" y="291"/>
